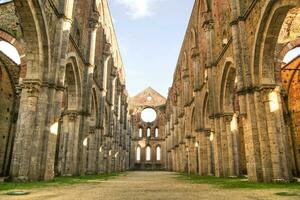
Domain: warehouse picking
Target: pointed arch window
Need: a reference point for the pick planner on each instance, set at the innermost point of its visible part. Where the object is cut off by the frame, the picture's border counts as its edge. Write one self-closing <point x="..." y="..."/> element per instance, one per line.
<point x="138" y="153"/>
<point x="158" y="153"/>
<point x="148" y="132"/>
<point x="140" y="132"/>
<point x="156" y="132"/>
<point x="148" y="153"/>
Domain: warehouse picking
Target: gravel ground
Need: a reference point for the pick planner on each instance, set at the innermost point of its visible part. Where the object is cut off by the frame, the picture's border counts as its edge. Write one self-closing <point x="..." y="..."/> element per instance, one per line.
<point x="146" y="186"/>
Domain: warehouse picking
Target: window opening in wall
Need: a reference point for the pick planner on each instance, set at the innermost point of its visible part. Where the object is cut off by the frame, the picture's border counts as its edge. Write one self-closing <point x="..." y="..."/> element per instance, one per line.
<point x="234" y="123"/>
<point x="54" y="128"/>
<point x="138" y="153"/>
<point x="148" y="132"/>
<point x="156" y="132"/>
<point x="10" y="51"/>
<point x="85" y="142"/>
<point x="158" y="153"/>
<point x="291" y="55"/>
<point x="211" y="137"/>
<point x="4" y="1"/>
<point x="140" y="132"/>
<point x="148" y="153"/>
<point x="148" y="115"/>
<point x="273" y="101"/>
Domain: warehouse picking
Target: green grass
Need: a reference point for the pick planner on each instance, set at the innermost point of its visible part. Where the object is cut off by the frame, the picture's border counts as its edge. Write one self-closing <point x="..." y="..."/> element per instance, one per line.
<point x="58" y="181"/>
<point x="235" y="183"/>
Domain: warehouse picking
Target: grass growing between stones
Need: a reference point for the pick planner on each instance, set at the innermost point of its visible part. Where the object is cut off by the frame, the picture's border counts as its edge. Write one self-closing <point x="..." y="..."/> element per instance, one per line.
<point x="235" y="183"/>
<point x="59" y="181"/>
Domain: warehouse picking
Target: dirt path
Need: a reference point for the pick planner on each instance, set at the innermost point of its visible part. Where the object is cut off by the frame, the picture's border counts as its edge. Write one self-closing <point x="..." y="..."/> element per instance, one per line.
<point x="146" y="186"/>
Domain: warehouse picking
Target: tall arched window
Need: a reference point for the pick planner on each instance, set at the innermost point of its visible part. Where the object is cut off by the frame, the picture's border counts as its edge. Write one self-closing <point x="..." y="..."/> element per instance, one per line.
<point x="138" y="153"/>
<point x="140" y="132"/>
<point x="148" y="153"/>
<point x="148" y="132"/>
<point x="156" y="132"/>
<point x="158" y="153"/>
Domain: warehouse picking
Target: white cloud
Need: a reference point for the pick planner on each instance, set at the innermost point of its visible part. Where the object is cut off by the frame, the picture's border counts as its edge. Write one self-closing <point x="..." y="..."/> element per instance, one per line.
<point x="137" y="8"/>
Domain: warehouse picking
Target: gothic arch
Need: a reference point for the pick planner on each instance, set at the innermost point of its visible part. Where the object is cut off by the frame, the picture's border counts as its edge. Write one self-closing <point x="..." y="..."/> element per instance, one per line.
<point x="227" y="88"/>
<point x="9" y="72"/>
<point x="205" y="112"/>
<point x="94" y="108"/>
<point x="73" y="81"/>
<point x="35" y="34"/>
<point x="266" y="38"/>
<point x="7" y="37"/>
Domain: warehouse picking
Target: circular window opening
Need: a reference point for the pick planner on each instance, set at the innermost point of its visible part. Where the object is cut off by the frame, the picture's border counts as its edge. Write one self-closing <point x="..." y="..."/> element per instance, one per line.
<point x="148" y="115"/>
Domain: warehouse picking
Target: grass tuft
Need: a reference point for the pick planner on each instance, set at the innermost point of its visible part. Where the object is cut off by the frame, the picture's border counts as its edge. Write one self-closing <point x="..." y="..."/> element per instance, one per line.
<point x="58" y="181"/>
<point x="232" y="183"/>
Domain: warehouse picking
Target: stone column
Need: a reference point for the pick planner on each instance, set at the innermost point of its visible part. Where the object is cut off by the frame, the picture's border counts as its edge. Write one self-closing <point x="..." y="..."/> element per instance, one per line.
<point x="197" y="68"/>
<point x="186" y="86"/>
<point x="192" y="156"/>
<point x="217" y="148"/>
<point x="203" y="155"/>
<point x="93" y="22"/>
<point x="209" y="153"/>
<point x="231" y="158"/>
<point x="25" y="129"/>
<point x="91" y="152"/>
<point x="278" y="156"/>
<point x="224" y="143"/>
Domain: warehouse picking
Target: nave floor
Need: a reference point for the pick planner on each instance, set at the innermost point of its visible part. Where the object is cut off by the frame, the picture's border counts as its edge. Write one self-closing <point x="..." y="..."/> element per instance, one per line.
<point x="146" y="186"/>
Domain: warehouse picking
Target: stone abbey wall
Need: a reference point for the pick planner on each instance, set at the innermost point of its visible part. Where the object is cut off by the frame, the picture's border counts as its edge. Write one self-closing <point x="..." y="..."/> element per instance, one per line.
<point x="232" y="109"/>
<point x="147" y="134"/>
<point x="69" y="112"/>
<point x="228" y="112"/>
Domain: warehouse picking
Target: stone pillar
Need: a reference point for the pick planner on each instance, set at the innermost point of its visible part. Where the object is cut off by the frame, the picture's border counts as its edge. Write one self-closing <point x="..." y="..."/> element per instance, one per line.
<point x="197" y="68"/>
<point x="186" y="86"/>
<point x="218" y="148"/>
<point x="230" y="143"/>
<point x="20" y="167"/>
<point x="209" y="154"/>
<point x="69" y="143"/>
<point x="276" y="133"/>
<point x="224" y="143"/>
<point x="93" y="22"/>
<point x="203" y="155"/>
<point x="252" y="143"/>
<point x="91" y="152"/>
<point x="191" y="156"/>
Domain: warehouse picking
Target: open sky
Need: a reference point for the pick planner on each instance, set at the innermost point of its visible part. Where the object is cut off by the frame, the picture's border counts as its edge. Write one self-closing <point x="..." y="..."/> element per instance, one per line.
<point x="150" y="34"/>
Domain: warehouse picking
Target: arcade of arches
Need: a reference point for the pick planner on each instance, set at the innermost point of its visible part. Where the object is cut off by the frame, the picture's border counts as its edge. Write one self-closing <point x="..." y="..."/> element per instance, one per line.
<point x="233" y="108"/>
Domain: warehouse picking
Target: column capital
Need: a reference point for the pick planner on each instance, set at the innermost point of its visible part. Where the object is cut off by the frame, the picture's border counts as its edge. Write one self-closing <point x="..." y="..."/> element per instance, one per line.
<point x="114" y="71"/>
<point x="228" y="118"/>
<point x="107" y="49"/>
<point x="32" y="87"/>
<point x="94" y="20"/>
<point x="72" y="116"/>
